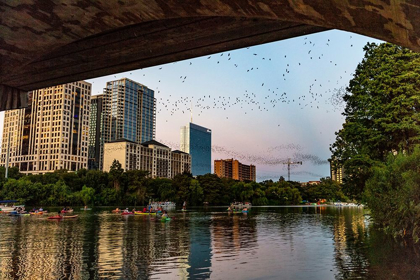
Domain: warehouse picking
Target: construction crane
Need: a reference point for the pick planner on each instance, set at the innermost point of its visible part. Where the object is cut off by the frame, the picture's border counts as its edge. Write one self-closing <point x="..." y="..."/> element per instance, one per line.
<point x="288" y="166"/>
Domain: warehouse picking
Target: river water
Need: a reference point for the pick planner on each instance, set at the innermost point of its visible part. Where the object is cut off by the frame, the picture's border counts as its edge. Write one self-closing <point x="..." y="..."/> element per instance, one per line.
<point x="205" y="243"/>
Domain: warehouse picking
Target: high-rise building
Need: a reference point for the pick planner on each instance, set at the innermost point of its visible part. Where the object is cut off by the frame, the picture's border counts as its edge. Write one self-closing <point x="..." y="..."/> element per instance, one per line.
<point x="232" y="168"/>
<point x="196" y="141"/>
<point x="336" y="171"/>
<point x="151" y="156"/>
<point x="95" y="131"/>
<point x="129" y="112"/>
<point x="52" y="132"/>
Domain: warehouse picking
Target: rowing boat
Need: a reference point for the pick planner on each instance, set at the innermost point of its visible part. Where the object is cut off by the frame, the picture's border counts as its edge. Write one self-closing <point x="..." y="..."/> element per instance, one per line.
<point x="58" y="217"/>
<point x="144" y="213"/>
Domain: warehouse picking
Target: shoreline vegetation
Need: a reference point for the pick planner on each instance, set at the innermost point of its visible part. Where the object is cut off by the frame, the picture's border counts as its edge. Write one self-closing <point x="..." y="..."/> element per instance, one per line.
<point x="378" y="146"/>
<point x="135" y="188"/>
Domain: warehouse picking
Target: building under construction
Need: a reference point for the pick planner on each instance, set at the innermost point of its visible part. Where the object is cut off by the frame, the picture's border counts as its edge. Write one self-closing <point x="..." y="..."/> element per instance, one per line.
<point x="231" y="168"/>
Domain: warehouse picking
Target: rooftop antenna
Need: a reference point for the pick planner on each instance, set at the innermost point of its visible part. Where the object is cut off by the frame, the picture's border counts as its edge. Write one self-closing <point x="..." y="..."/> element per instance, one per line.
<point x="191" y="112"/>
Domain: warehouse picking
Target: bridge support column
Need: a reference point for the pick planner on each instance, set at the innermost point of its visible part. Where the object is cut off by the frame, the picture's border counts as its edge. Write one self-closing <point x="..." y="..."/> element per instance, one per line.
<point x="12" y="98"/>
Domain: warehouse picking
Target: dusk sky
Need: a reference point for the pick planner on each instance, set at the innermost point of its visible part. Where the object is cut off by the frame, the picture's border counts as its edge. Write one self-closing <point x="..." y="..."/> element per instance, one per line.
<point x="264" y="103"/>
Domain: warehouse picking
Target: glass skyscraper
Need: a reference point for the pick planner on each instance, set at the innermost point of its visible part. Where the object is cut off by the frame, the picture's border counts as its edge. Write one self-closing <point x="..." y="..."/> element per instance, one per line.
<point x="196" y="141"/>
<point x="95" y="131"/>
<point x="129" y="112"/>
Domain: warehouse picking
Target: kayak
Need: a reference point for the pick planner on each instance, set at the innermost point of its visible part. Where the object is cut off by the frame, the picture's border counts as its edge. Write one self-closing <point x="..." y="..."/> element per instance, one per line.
<point x="144" y="213"/>
<point x="235" y="212"/>
<point x="127" y="213"/>
<point x="36" y="213"/>
<point x="116" y="211"/>
<point x="85" y="208"/>
<point x="58" y="217"/>
<point x="67" y="211"/>
<point x="19" y="214"/>
<point x="165" y="219"/>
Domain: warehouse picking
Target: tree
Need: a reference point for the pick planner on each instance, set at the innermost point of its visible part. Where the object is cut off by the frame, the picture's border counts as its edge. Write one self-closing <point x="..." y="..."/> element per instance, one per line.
<point x="60" y="194"/>
<point x="247" y="192"/>
<point x="212" y="187"/>
<point x="327" y="189"/>
<point x="181" y="183"/>
<point x="116" y="173"/>
<point x="393" y="195"/>
<point x="382" y="112"/>
<point x="196" y="193"/>
<point x="137" y="188"/>
<point x="86" y="195"/>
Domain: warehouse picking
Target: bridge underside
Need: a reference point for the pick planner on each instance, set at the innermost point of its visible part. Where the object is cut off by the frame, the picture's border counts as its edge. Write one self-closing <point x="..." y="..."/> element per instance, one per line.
<point x="44" y="43"/>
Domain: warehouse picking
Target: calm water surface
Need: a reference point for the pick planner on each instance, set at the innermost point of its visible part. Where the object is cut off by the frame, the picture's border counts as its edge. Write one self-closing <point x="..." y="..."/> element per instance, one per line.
<point x="205" y="243"/>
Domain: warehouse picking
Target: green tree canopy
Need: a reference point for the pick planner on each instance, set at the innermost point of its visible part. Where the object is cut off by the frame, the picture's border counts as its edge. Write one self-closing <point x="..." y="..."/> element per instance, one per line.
<point x="382" y="112"/>
<point x="116" y="172"/>
<point x="393" y="195"/>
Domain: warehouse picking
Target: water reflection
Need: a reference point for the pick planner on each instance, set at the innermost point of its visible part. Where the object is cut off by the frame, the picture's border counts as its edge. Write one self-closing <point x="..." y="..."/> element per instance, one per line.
<point x="200" y="254"/>
<point x="268" y="243"/>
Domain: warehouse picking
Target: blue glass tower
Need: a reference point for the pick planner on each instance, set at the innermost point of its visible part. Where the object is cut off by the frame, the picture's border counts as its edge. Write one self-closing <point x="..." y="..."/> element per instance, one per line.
<point x="196" y="141"/>
<point x="129" y="112"/>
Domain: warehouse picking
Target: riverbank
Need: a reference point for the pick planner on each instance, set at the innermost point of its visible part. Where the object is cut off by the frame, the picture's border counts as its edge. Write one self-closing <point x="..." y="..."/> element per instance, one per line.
<point x="120" y="188"/>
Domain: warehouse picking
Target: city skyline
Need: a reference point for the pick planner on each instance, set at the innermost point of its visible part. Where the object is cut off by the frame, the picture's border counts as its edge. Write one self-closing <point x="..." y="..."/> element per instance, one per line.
<point x="318" y="64"/>
<point x="52" y="132"/>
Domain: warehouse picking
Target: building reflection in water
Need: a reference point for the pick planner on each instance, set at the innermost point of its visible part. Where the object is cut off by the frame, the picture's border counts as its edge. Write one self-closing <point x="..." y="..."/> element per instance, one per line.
<point x="287" y="243"/>
<point x="200" y="254"/>
<point x="40" y="249"/>
<point x="110" y="247"/>
<point x="349" y="235"/>
<point x="138" y="247"/>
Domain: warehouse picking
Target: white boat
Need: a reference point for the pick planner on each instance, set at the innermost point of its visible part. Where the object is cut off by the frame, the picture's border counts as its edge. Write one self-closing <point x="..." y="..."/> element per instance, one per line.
<point x="350" y="204"/>
<point x="4" y="205"/>
<point x="5" y="208"/>
<point x="241" y="205"/>
<point x="164" y="205"/>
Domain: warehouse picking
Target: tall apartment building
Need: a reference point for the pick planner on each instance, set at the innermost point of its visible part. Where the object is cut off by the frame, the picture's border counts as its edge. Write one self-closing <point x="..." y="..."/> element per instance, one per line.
<point x="95" y="131"/>
<point x="230" y="168"/>
<point x="129" y="112"/>
<point x="150" y="156"/>
<point x="196" y="141"/>
<point x="52" y="132"/>
<point x="336" y="172"/>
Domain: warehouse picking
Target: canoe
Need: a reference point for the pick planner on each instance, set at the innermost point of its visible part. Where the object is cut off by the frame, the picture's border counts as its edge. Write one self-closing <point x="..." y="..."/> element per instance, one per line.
<point x="19" y="214"/>
<point x="70" y="217"/>
<point x="58" y="217"/>
<point x="144" y="213"/>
